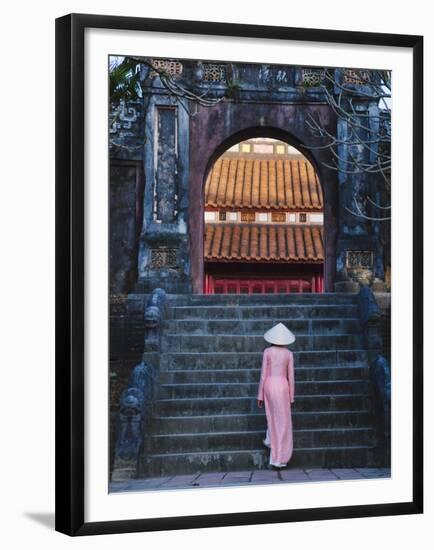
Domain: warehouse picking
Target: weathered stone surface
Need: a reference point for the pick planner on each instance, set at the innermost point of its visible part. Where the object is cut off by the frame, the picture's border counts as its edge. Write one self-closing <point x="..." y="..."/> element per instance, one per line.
<point x="321" y="475"/>
<point x="347" y="473"/>
<point x="205" y="417"/>
<point x="126" y="195"/>
<point x="180" y="481"/>
<point x="374" y="472"/>
<point x="237" y="477"/>
<point x="246" y="478"/>
<point x="175" y="152"/>
<point x="294" y="475"/>
<point x="134" y="414"/>
<point x="165" y="177"/>
<point x="264" y="477"/>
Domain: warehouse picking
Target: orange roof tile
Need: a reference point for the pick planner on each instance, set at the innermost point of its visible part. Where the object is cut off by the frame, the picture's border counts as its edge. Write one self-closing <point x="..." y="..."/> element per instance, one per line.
<point x="224" y="241"/>
<point x="263" y="183"/>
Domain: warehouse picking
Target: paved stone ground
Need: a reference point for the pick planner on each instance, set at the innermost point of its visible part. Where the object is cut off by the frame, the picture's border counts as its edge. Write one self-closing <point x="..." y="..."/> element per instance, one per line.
<point x="256" y="477"/>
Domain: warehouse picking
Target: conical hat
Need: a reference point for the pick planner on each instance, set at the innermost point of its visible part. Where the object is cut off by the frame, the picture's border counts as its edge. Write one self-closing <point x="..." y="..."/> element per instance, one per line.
<point x="279" y="335"/>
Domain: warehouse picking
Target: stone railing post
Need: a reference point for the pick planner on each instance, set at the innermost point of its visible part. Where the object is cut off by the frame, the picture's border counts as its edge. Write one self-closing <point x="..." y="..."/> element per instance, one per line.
<point x="135" y="409"/>
<point x="154" y="312"/>
<point x="379" y="371"/>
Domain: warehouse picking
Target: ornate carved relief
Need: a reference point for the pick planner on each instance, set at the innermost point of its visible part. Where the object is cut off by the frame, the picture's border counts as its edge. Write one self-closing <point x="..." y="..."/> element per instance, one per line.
<point x="165" y="188"/>
<point x="214" y="72"/>
<point x="248" y="216"/>
<point x="312" y="77"/>
<point x="124" y="116"/>
<point x="173" y="68"/>
<point x="360" y="266"/>
<point x="355" y="76"/>
<point x="360" y="259"/>
<point x="278" y="216"/>
<point x="164" y="257"/>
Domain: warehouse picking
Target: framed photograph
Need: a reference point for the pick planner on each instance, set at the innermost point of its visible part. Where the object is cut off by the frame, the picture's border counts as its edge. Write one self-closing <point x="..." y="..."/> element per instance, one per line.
<point x="239" y="296"/>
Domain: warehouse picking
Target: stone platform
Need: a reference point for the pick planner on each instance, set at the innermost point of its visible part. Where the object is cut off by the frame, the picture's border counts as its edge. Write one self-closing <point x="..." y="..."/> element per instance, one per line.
<point x="247" y="477"/>
<point x="205" y="418"/>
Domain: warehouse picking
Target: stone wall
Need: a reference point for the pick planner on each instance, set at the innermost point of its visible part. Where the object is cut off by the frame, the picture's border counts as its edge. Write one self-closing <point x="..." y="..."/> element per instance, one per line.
<point x="384" y="302"/>
<point x="126" y="213"/>
<point x="157" y="235"/>
<point x="126" y="349"/>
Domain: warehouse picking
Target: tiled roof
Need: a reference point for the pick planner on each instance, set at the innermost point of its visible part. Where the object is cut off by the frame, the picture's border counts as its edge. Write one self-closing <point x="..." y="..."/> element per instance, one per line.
<point x="224" y="241"/>
<point x="263" y="183"/>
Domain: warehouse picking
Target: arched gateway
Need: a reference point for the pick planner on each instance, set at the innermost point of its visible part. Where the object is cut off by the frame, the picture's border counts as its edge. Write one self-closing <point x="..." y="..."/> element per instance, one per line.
<point x="163" y="149"/>
<point x="279" y="122"/>
<point x="263" y="221"/>
<point x="184" y="366"/>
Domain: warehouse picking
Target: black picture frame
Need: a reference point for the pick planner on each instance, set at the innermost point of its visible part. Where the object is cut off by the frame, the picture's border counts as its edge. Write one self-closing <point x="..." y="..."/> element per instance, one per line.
<point x="70" y="266"/>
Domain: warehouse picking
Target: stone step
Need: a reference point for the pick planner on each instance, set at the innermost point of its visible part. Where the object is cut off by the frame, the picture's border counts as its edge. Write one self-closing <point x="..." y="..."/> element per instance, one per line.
<point x="226" y="405"/>
<point x="248" y="389"/>
<point x="208" y="376"/>
<point x="243" y="360"/>
<point x="259" y="326"/>
<point x="253" y="299"/>
<point x="205" y="416"/>
<point x="237" y="441"/>
<point x="257" y="421"/>
<point x="360" y="456"/>
<point x="298" y="311"/>
<point x="246" y="342"/>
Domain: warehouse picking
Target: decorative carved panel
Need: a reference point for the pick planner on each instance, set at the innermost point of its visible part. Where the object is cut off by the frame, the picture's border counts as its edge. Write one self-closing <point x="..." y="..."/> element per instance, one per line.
<point x="354" y="76"/>
<point x="312" y="77"/>
<point x="247" y="216"/>
<point x="278" y="216"/>
<point x="214" y="72"/>
<point x="123" y="116"/>
<point x="173" y="68"/>
<point x="360" y="259"/>
<point x="164" y="257"/>
<point x="165" y="188"/>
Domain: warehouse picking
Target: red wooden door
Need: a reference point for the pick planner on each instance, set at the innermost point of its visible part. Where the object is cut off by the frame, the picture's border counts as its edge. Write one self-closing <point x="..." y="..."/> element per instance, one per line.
<point x="222" y="285"/>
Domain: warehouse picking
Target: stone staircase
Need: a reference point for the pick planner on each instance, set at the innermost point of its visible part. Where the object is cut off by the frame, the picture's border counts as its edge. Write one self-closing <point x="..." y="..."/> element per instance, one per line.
<point x="205" y="416"/>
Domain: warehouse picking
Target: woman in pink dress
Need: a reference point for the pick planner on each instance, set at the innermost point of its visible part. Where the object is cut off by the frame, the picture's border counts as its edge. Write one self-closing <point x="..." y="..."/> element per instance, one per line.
<point x="276" y="389"/>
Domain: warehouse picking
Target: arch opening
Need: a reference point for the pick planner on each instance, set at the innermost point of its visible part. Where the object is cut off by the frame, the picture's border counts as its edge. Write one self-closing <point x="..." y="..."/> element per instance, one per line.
<point x="263" y="217"/>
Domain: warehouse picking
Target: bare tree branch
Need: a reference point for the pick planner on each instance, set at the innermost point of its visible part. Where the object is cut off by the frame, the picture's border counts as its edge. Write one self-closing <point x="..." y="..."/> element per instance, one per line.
<point x="363" y="215"/>
<point x="365" y="147"/>
<point x="186" y="98"/>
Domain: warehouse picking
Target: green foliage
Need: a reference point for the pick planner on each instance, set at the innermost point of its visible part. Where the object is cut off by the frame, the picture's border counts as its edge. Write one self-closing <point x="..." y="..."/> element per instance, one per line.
<point x="124" y="81"/>
<point x="232" y="88"/>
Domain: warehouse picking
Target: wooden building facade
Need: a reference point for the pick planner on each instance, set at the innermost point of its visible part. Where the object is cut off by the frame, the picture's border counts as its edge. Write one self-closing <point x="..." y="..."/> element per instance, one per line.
<point x="263" y="221"/>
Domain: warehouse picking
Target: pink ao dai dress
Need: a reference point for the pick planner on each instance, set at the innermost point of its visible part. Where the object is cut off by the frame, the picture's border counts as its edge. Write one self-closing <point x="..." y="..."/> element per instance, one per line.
<point x="276" y="389"/>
